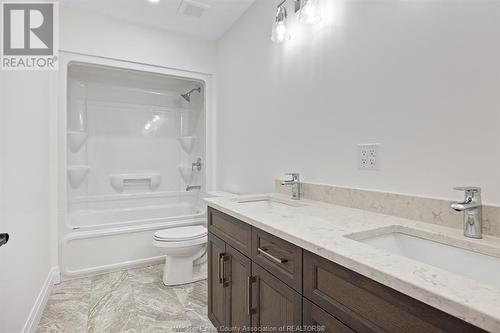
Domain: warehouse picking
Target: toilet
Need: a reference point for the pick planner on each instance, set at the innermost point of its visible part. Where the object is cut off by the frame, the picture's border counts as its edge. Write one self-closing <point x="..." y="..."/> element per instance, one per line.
<point x="185" y="250"/>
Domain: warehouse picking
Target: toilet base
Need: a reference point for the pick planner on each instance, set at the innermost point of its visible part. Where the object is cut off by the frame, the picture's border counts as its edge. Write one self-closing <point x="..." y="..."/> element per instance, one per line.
<point x="172" y="282"/>
<point x="182" y="270"/>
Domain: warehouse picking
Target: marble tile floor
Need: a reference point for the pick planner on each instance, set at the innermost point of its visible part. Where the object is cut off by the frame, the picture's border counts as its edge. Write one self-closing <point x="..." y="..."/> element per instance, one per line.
<point x="129" y="301"/>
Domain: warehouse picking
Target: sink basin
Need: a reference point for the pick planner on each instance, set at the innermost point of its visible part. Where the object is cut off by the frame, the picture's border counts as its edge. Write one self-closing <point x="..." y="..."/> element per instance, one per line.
<point x="268" y="203"/>
<point x="480" y="267"/>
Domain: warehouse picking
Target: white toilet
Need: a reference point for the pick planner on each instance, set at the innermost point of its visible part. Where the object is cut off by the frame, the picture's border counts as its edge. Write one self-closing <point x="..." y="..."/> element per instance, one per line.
<point x="185" y="249"/>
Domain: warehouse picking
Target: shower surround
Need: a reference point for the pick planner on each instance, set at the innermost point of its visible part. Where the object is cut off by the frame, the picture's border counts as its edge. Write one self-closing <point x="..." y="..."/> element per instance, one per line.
<point x="132" y="139"/>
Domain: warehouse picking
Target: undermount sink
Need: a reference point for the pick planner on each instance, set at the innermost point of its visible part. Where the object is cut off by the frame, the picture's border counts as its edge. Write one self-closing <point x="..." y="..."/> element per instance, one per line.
<point x="480" y="267"/>
<point x="268" y="203"/>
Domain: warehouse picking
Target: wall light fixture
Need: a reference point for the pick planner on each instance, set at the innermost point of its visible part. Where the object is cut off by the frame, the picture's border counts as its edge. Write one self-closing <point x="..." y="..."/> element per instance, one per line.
<point x="280" y="32"/>
<point x="308" y="11"/>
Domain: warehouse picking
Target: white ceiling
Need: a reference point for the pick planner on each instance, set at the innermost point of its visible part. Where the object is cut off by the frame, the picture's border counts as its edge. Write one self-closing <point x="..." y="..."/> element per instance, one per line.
<point x="164" y="15"/>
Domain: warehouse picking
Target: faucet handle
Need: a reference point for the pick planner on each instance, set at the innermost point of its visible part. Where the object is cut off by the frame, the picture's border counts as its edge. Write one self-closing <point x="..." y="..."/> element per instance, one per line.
<point x="471" y="193"/>
<point x="294" y="175"/>
<point x="469" y="189"/>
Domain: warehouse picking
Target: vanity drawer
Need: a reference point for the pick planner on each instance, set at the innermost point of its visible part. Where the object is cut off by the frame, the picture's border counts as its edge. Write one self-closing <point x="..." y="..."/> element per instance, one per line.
<point x="279" y="257"/>
<point x="368" y="306"/>
<point x="313" y="315"/>
<point x="236" y="233"/>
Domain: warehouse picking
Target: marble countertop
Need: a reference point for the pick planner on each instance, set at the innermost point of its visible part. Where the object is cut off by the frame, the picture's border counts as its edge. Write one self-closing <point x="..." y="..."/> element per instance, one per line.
<point x="329" y="231"/>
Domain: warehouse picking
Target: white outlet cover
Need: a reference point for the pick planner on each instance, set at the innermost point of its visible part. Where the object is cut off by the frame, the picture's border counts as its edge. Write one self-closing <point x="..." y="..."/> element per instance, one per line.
<point x="368" y="156"/>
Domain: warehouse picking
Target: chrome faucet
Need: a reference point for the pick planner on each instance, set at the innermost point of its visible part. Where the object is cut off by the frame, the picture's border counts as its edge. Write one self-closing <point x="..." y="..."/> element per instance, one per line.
<point x="473" y="211"/>
<point x="196" y="165"/>
<point x="295" y="183"/>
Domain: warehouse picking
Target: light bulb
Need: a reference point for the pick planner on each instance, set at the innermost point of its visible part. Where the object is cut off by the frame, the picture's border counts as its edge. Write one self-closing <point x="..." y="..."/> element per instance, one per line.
<point x="280" y="31"/>
<point x="309" y="13"/>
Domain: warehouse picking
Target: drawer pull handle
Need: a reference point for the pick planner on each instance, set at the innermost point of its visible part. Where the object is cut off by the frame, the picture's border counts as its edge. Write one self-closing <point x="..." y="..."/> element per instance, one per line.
<point x="221" y="267"/>
<point x="270" y="256"/>
<point x="251" y="280"/>
<point x="225" y="280"/>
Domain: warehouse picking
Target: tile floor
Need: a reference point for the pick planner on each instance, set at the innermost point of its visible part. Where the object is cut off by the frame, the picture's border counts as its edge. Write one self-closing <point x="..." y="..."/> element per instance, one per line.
<point x="128" y="301"/>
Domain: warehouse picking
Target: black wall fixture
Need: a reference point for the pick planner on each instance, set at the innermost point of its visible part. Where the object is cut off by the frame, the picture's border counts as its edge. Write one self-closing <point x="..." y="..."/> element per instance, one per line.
<point x="4" y="238"/>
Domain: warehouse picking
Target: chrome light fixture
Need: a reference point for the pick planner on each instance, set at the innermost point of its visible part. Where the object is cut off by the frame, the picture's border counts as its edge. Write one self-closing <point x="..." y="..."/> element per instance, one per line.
<point x="308" y="11"/>
<point x="280" y="32"/>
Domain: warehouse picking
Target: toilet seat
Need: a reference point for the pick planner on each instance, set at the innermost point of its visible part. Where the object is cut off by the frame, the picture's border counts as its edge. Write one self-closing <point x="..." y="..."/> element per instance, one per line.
<point x="180" y="244"/>
<point x="181" y="234"/>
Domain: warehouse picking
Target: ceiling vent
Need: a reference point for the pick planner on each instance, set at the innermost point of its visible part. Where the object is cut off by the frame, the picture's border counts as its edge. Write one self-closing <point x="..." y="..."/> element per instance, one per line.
<point x="192" y="8"/>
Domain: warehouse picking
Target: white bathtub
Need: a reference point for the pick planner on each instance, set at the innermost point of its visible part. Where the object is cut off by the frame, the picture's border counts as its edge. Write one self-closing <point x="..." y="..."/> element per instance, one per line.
<point x="115" y="232"/>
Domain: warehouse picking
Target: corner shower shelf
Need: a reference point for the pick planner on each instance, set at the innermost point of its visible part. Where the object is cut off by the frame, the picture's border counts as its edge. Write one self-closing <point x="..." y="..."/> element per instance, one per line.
<point x="76" y="140"/>
<point x="187" y="143"/>
<point x="144" y="180"/>
<point x="186" y="172"/>
<point x="77" y="174"/>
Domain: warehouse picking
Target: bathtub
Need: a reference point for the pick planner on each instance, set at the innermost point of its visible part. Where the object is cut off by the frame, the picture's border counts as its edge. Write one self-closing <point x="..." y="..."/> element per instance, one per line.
<point x="115" y="232"/>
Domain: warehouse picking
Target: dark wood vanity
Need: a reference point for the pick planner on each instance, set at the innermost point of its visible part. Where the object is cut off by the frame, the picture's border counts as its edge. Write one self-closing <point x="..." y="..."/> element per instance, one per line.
<point x="257" y="281"/>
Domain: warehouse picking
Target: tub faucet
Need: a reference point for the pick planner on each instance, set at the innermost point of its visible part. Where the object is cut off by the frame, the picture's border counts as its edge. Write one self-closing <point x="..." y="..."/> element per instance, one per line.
<point x="473" y="211"/>
<point x="295" y="183"/>
<point x="189" y="187"/>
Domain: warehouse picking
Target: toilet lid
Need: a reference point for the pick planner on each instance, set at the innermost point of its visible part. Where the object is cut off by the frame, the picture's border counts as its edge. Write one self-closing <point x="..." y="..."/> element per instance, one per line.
<point x="181" y="233"/>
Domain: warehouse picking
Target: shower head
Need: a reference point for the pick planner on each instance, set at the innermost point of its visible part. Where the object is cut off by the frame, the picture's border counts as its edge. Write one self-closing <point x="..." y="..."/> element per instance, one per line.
<point x="187" y="96"/>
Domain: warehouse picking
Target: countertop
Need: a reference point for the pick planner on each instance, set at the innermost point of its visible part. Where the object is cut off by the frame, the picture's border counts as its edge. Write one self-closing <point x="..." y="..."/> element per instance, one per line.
<point x="329" y="231"/>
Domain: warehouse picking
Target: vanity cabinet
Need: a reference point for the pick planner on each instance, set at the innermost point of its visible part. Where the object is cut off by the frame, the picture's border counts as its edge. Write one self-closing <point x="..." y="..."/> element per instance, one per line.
<point x="258" y="281"/>
<point x="242" y="293"/>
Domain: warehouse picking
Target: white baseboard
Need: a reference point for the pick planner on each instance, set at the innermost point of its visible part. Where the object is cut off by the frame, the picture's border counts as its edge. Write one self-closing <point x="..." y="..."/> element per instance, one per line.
<point x="41" y="301"/>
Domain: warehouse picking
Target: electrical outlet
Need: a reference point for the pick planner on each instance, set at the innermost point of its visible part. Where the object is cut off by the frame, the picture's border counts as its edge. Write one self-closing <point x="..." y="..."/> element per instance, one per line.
<point x="368" y="156"/>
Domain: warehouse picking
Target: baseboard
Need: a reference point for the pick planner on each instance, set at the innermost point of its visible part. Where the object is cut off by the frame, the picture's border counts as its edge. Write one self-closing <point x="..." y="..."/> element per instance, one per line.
<point x="41" y="301"/>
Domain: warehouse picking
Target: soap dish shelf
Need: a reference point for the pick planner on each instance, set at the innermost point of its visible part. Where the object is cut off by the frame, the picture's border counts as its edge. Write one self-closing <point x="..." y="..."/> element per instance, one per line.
<point x="146" y="180"/>
<point x="187" y="143"/>
<point x="76" y="140"/>
<point x="77" y="174"/>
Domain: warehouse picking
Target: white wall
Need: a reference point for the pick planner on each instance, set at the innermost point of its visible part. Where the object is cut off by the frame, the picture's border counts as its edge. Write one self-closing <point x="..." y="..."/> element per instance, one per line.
<point x="24" y="193"/>
<point x="28" y="155"/>
<point x="420" y="77"/>
<point x="94" y="34"/>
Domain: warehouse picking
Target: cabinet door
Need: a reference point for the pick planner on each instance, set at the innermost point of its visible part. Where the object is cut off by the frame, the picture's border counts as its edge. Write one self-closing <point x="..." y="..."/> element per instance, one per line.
<point x="275" y="306"/>
<point x="238" y="272"/>
<point x="314" y="316"/>
<point x="216" y="297"/>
